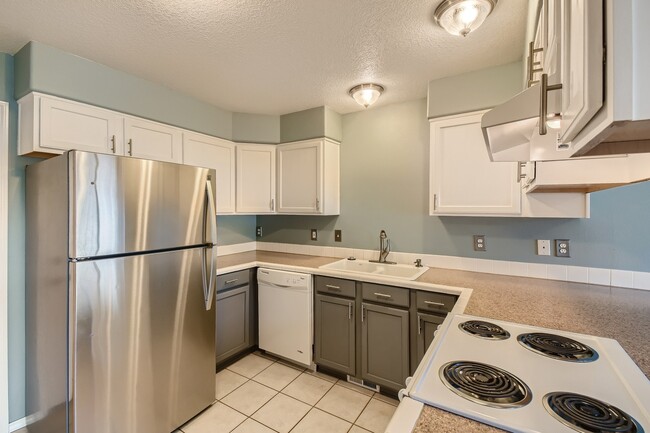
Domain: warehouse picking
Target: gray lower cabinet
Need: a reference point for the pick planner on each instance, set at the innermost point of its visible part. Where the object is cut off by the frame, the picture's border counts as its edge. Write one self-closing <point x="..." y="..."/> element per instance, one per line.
<point x="384" y="345"/>
<point x="234" y="318"/>
<point x="427" y="326"/>
<point x="334" y="339"/>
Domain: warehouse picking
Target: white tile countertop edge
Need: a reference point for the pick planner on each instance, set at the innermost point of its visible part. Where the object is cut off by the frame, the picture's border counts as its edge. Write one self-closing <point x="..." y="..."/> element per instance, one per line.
<point x="577" y="274"/>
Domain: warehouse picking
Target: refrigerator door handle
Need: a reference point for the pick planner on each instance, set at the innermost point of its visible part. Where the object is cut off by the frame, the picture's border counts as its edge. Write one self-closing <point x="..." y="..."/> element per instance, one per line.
<point x="209" y="283"/>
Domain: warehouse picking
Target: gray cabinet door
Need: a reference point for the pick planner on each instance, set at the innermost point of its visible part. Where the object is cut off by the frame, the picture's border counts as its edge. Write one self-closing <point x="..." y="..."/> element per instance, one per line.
<point x="427" y="325"/>
<point x="233" y="320"/>
<point x="384" y="345"/>
<point x="335" y="333"/>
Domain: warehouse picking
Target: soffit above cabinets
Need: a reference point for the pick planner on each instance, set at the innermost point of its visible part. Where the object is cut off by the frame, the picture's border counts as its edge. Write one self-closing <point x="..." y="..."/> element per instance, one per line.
<point x="269" y="57"/>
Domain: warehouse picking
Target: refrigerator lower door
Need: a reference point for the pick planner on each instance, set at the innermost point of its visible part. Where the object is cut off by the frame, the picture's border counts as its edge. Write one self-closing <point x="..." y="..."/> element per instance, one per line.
<point x="143" y="343"/>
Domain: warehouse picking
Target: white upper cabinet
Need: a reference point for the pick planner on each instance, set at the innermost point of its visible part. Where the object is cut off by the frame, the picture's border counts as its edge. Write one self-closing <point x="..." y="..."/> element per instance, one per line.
<point x="255" y="178"/>
<point x="152" y="140"/>
<point x="51" y="125"/>
<point x="206" y="151"/>
<point x="581" y="64"/>
<point x="308" y="177"/>
<point x="54" y="125"/>
<point x="463" y="180"/>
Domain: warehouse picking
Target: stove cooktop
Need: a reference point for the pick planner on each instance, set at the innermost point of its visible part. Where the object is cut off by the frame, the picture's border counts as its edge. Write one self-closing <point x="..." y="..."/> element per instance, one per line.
<point x="532" y="380"/>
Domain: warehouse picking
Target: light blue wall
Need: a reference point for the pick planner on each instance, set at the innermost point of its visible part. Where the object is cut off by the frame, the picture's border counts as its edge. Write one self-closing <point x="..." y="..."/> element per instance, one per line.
<point x="255" y="128"/>
<point x="475" y="90"/>
<point x="16" y="262"/>
<point x="313" y="123"/>
<point x="42" y="68"/>
<point x="384" y="185"/>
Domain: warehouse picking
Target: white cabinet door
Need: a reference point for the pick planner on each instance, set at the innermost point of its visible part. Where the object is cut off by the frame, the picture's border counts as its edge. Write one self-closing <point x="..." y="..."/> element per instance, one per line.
<point x="300" y="175"/>
<point x="205" y="151"/>
<point x="65" y="125"/>
<point x="463" y="180"/>
<point x="152" y="140"/>
<point x="582" y="64"/>
<point x="255" y="178"/>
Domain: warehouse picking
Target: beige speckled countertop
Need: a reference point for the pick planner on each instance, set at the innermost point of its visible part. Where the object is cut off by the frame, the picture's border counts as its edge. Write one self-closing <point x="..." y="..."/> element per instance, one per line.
<point x="621" y="314"/>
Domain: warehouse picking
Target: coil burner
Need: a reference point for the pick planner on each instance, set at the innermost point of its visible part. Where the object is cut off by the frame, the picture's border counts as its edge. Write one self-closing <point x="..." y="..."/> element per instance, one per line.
<point x="486" y="330"/>
<point x="485" y="384"/>
<point x="588" y="415"/>
<point x="558" y="347"/>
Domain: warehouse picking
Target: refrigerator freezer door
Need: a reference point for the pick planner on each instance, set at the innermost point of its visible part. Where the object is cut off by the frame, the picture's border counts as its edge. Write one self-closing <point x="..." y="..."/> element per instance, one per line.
<point x="144" y="344"/>
<point x="122" y="205"/>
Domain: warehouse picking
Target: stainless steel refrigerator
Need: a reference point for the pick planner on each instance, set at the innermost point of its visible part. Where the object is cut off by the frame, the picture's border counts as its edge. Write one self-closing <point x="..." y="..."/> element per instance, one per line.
<point x="121" y="269"/>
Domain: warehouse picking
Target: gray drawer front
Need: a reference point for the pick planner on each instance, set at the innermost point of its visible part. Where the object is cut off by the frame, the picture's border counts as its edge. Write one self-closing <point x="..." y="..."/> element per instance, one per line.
<point x="435" y="302"/>
<point x="335" y="286"/>
<point x="388" y="295"/>
<point x="233" y="279"/>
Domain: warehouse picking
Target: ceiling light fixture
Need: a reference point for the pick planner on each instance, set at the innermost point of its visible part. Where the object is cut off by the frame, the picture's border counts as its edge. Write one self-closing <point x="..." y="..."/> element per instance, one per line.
<point x="366" y="94"/>
<point x="460" y="17"/>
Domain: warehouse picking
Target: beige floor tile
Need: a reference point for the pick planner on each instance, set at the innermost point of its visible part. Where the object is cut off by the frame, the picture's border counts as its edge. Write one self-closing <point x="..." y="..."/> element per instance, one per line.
<point x="217" y="419"/>
<point x="355" y="429"/>
<point x="251" y="426"/>
<point x="343" y="402"/>
<point x="317" y="421"/>
<point x="281" y="413"/>
<point x="277" y="376"/>
<point x="357" y="388"/>
<point x="386" y="399"/>
<point x="375" y="416"/>
<point x="250" y="366"/>
<point x="307" y="388"/>
<point x="228" y="381"/>
<point x="249" y="397"/>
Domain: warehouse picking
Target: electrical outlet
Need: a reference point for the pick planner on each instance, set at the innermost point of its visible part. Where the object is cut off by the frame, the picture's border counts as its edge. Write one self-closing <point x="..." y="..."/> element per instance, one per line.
<point x="314" y="234"/>
<point x="543" y="247"/>
<point x="479" y="243"/>
<point x="337" y="235"/>
<point x="562" y="248"/>
<point x="258" y="231"/>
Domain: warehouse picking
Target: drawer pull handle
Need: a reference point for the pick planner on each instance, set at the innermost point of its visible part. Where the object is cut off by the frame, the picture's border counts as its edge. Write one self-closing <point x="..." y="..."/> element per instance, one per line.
<point x="329" y="286"/>
<point x="437" y="304"/>
<point x="383" y="295"/>
<point x="232" y="281"/>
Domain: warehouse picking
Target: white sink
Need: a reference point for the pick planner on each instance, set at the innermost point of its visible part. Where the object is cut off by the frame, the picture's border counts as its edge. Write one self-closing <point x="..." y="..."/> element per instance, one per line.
<point x="403" y="272"/>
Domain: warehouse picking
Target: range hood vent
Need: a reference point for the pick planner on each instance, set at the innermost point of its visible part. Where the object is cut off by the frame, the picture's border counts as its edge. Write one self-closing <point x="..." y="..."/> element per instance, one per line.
<point x="508" y="128"/>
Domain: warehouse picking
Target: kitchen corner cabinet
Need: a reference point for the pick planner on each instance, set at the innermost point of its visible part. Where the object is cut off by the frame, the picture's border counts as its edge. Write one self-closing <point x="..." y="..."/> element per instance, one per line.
<point x="206" y="151"/>
<point x="51" y="125"/>
<point x="235" y="312"/>
<point x="308" y="177"/>
<point x="255" y="178"/>
<point x="463" y="180"/>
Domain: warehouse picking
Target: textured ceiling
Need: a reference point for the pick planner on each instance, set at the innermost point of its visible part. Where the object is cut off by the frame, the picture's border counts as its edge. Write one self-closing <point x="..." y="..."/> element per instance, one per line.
<point x="268" y="56"/>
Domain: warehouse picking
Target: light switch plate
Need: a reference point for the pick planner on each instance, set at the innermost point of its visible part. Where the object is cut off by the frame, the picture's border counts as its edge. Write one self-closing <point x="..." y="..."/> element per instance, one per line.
<point x="314" y="234"/>
<point x="337" y="236"/>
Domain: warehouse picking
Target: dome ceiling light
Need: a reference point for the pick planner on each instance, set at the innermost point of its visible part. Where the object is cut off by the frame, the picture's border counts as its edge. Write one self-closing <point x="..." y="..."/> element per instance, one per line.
<point x="366" y="94"/>
<point x="460" y="17"/>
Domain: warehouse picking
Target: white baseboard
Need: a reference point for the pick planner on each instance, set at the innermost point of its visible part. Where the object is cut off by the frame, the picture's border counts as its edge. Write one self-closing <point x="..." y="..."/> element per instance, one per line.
<point x="577" y="274"/>
<point x="18" y="424"/>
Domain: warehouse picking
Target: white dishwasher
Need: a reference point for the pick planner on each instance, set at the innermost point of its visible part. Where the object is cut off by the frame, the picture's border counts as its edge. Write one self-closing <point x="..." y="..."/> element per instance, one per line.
<point x="285" y="314"/>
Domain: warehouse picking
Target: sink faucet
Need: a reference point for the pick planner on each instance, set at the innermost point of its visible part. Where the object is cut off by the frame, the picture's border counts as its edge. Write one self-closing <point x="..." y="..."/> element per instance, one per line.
<point x="384" y="249"/>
